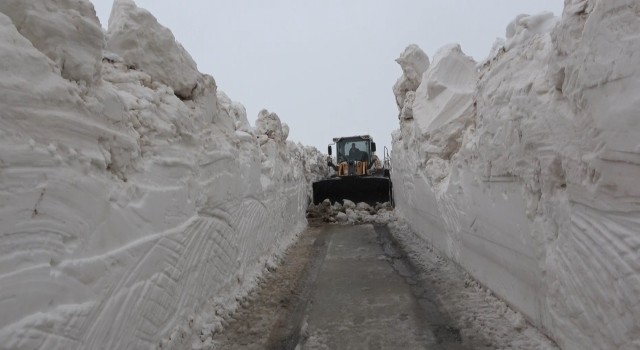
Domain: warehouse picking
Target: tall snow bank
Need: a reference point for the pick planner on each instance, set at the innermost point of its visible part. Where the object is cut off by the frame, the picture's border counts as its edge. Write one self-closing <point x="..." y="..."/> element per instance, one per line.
<point x="123" y="209"/>
<point x="539" y="198"/>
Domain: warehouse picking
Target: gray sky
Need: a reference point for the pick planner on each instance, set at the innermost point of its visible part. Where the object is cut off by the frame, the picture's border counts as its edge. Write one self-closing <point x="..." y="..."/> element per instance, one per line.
<point x="326" y="67"/>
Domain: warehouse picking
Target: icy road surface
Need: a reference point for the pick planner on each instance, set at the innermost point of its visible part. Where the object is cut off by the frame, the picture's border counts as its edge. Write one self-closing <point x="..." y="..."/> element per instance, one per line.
<point x="352" y="287"/>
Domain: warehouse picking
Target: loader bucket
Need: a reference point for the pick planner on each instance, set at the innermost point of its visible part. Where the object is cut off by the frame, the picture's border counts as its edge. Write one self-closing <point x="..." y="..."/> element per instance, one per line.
<point x="368" y="189"/>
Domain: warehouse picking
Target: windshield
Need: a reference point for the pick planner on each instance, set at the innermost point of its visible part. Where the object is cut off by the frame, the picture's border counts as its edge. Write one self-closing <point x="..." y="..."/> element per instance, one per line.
<point x="356" y="150"/>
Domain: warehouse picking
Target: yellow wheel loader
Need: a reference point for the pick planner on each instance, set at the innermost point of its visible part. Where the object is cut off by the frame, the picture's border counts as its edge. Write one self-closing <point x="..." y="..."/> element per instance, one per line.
<point x="359" y="176"/>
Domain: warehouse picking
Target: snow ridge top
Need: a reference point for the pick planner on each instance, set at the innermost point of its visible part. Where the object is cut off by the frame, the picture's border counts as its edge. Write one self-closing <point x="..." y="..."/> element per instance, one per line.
<point x="135" y="35"/>
<point x="66" y="31"/>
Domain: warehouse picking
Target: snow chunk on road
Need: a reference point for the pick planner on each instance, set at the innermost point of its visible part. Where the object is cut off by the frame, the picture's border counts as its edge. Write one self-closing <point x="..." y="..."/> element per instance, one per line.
<point x="347" y="204"/>
<point x="351" y="213"/>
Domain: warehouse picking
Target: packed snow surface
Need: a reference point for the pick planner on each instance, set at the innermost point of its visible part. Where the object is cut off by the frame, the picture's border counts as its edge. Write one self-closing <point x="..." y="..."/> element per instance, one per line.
<point x="132" y="192"/>
<point x="525" y="169"/>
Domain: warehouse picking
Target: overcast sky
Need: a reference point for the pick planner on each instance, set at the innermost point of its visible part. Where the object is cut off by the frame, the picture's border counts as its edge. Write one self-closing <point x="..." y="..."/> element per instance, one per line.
<point x="326" y="67"/>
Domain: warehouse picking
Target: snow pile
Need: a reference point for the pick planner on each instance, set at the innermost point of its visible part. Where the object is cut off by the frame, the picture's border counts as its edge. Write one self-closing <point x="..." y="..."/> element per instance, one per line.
<point x="125" y="207"/>
<point x="349" y="212"/>
<point x="525" y="170"/>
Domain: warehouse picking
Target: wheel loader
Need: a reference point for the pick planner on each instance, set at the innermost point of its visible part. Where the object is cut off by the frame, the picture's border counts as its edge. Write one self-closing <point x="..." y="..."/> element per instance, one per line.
<point x="359" y="176"/>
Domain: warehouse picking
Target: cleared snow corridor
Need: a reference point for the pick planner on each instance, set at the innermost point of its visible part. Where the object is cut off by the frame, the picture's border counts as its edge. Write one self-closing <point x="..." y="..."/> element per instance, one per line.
<point x="354" y="287"/>
<point x="140" y="208"/>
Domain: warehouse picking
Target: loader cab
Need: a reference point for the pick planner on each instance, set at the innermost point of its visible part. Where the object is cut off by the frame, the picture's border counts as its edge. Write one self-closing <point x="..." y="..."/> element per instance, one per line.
<point x="354" y="152"/>
<point x="353" y="177"/>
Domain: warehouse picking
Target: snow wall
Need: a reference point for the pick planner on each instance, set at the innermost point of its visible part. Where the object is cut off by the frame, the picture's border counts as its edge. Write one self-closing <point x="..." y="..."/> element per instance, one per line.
<point x="132" y="193"/>
<point x="525" y="168"/>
